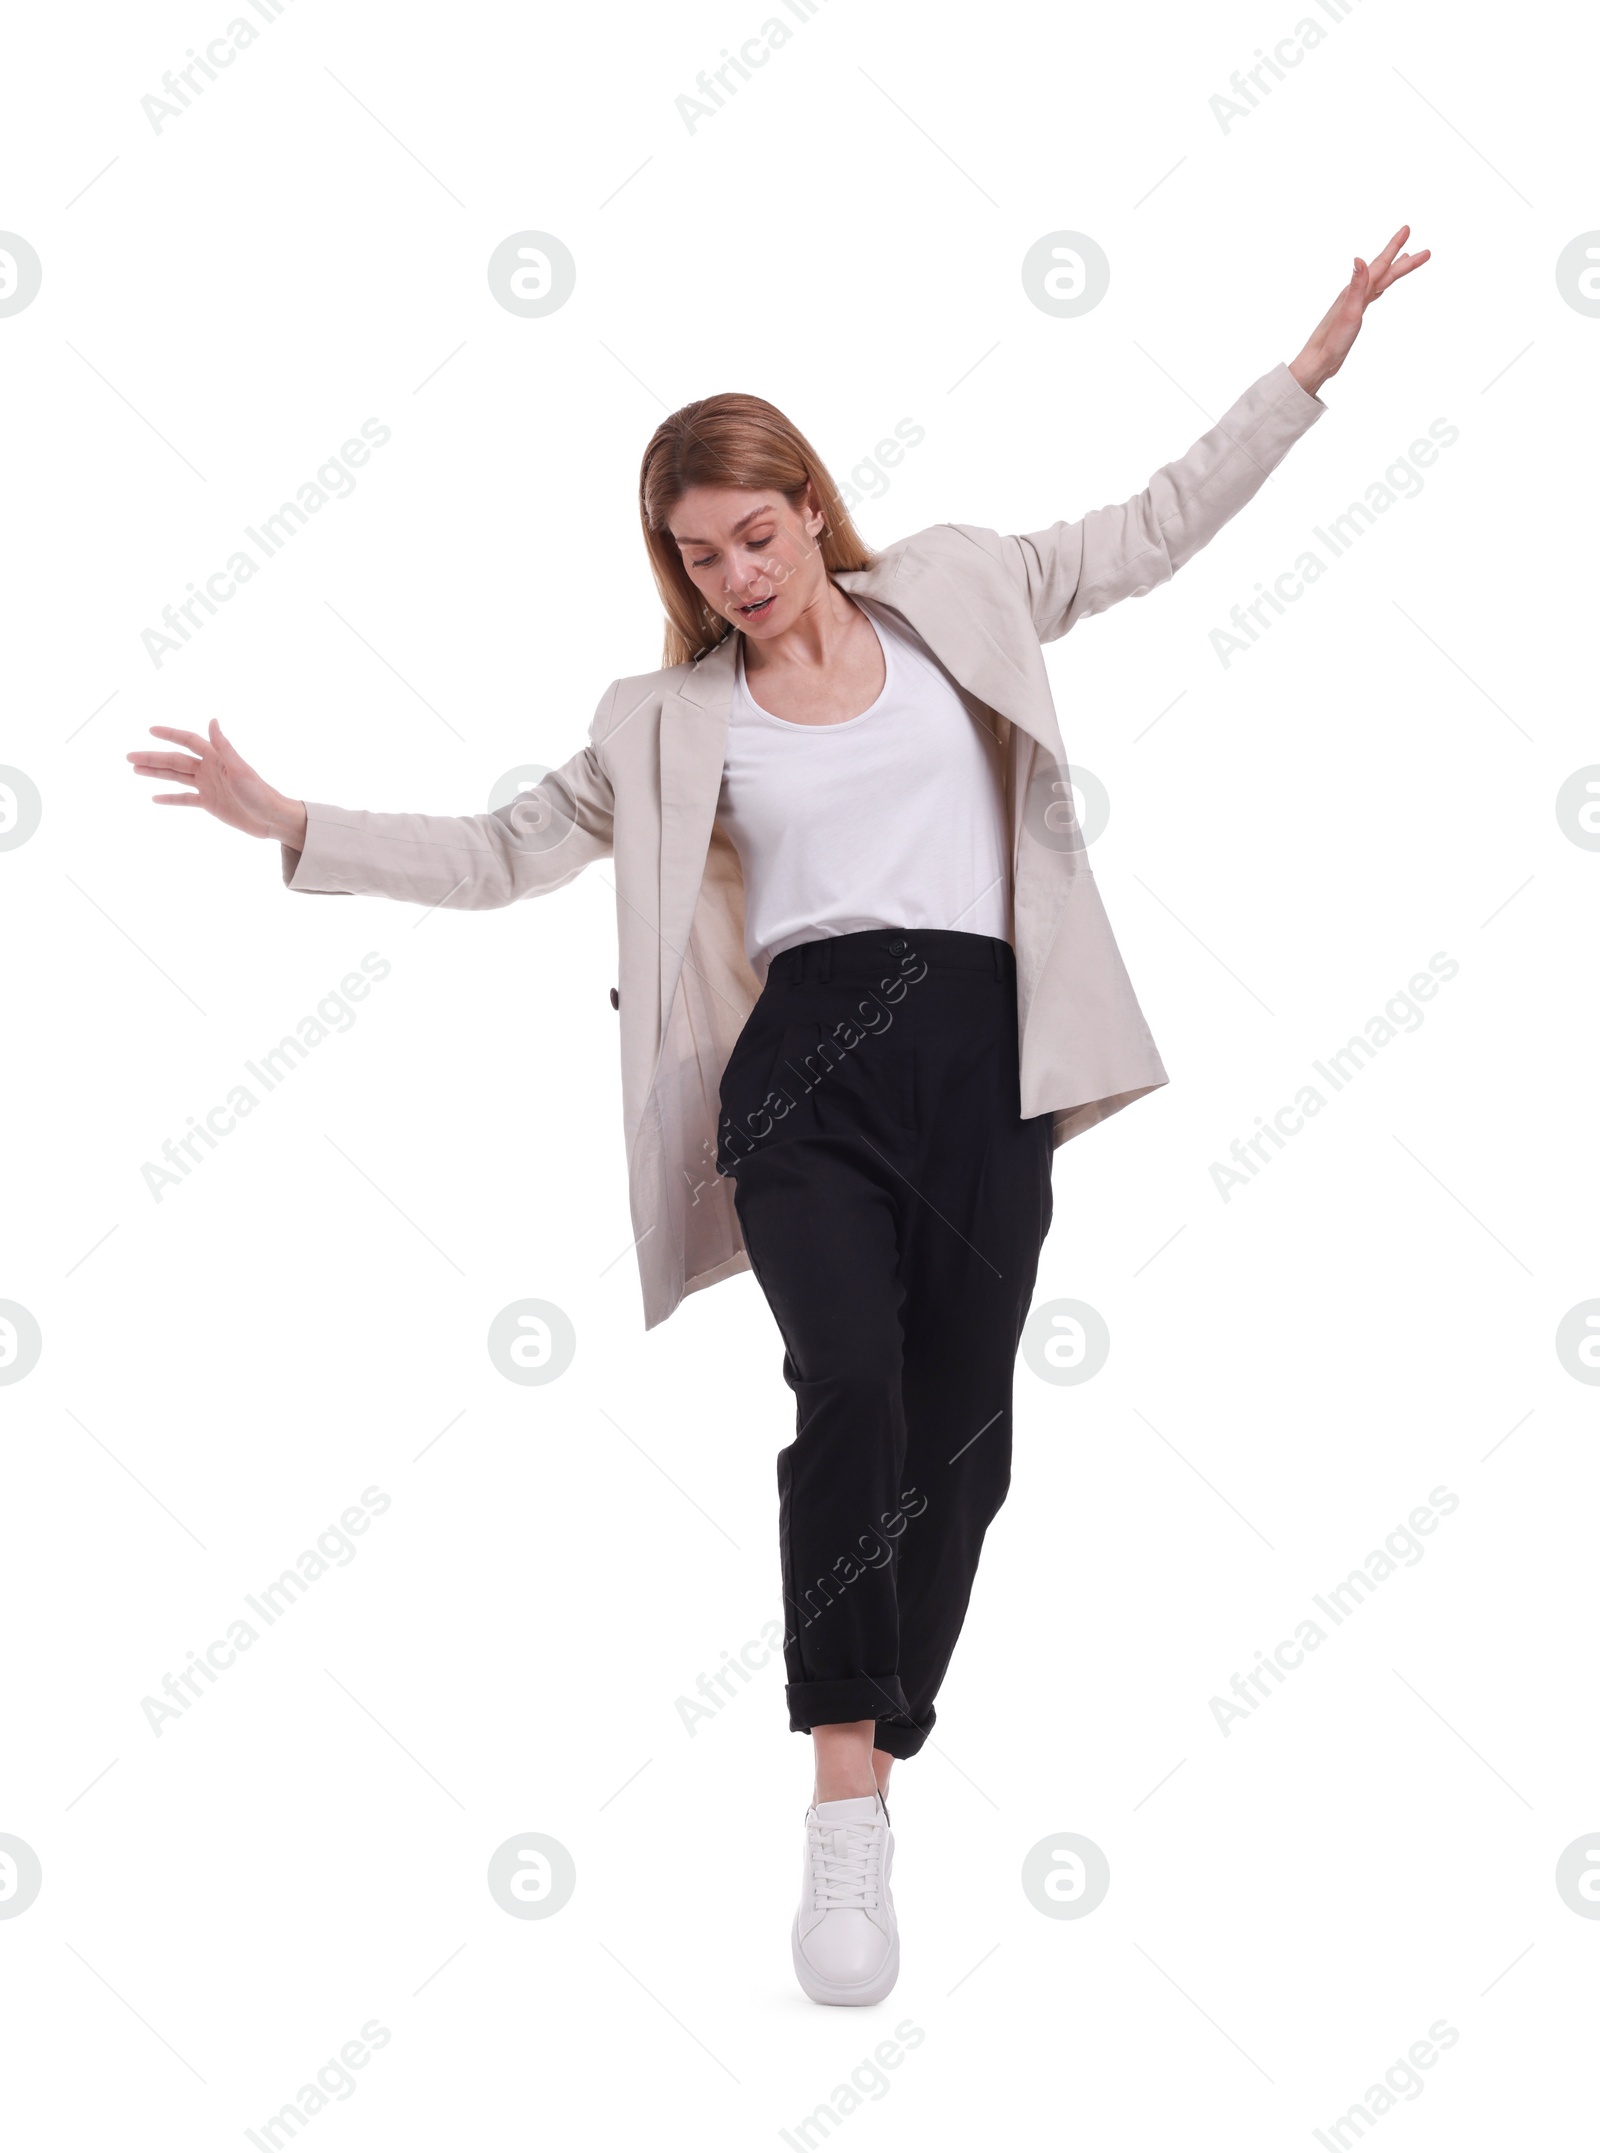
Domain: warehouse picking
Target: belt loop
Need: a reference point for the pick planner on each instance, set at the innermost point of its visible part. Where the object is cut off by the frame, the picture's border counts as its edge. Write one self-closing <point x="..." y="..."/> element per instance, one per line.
<point x="825" y="963"/>
<point x="999" y="961"/>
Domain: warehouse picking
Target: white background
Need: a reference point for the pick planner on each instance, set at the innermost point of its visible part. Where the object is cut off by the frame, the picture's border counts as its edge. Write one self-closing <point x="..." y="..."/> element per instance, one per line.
<point x="223" y="1372"/>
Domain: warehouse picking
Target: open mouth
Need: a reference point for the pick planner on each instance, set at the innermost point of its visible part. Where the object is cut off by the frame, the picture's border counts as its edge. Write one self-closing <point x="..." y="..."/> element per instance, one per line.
<point x="754" y="612"/>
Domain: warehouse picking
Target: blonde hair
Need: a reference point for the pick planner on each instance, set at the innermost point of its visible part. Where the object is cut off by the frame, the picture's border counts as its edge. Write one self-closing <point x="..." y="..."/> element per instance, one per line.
<point x="729" y="440"/>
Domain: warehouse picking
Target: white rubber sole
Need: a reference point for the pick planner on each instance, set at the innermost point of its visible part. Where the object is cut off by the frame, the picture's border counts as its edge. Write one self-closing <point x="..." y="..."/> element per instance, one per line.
<point x="860" y="1992"/>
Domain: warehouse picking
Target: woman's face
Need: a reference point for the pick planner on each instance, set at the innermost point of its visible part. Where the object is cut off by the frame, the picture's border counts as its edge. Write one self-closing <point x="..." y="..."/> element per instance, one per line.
<point x="752" y="557"/>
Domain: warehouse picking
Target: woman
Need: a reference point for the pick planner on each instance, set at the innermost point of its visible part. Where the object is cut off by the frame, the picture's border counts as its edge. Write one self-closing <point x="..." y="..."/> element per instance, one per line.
<point x="866" y="986"/>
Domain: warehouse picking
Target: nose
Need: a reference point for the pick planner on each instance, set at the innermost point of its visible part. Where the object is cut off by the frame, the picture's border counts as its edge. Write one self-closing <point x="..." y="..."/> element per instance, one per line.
<point x="745" y="579"/>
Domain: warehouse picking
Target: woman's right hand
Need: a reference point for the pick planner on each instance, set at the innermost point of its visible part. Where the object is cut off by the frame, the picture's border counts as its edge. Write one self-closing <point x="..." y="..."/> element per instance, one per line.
<point x="224" y="785"/>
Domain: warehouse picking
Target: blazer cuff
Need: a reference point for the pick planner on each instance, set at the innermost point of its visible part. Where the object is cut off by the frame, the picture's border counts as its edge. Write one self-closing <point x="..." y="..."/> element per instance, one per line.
<point x="1282" y="378"/>
<point x="315" y="869"/>
<point x="1282" y="412"/>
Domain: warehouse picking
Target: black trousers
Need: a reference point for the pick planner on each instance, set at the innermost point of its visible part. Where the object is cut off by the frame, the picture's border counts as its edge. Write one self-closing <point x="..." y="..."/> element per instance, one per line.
<point x="893" y="1202"/>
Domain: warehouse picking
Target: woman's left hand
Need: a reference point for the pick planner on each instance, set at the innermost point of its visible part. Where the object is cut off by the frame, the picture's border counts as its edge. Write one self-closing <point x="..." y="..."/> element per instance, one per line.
<point x="1328" y="345"/>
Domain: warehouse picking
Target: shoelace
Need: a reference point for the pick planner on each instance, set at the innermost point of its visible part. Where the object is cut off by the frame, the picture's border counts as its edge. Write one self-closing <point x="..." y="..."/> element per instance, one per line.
<point x="844" y="1865"/>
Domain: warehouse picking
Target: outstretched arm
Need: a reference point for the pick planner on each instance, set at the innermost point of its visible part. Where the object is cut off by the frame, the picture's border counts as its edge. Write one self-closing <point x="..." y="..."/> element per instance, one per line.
<point x="468" y="862"/>
<point x="1079" y="567"/>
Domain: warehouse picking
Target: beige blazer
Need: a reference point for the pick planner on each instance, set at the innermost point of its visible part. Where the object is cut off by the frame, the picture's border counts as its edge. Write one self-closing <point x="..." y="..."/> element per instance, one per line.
<point x="644" y="791"/>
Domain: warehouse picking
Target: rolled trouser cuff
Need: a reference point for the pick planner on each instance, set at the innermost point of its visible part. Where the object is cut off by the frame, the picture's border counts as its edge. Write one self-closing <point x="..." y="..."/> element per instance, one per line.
<point x="832" y="1704"/>
<point x="902" y="1738"/>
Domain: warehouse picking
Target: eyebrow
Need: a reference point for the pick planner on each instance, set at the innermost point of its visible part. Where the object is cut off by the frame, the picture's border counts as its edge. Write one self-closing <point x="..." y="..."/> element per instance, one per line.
<point x="754" y="516"/>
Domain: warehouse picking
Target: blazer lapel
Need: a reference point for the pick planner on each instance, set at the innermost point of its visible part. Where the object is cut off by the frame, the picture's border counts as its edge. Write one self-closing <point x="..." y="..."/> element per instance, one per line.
<point x="953" y="622"/>
<point x="693" y="743"/>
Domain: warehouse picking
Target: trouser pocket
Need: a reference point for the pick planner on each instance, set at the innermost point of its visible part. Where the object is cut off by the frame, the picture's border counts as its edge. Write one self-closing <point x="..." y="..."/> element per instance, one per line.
<point x="763" y="1086"/>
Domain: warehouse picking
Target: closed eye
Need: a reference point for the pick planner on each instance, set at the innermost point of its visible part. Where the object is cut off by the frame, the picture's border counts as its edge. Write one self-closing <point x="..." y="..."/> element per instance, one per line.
<point x="756" y="545"/>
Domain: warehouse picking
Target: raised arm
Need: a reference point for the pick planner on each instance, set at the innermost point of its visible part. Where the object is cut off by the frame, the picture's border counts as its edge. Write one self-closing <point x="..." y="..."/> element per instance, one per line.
<point x="535" y="843"/>
<point x="1076" y="568"/>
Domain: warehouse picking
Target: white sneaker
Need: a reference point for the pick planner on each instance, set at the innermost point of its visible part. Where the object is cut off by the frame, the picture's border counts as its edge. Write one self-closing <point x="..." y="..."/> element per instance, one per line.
<point x="846" y="1941"/>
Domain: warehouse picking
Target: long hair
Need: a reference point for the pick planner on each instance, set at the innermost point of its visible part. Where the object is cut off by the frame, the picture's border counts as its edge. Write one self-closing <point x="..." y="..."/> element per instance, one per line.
<point x="729" y="440"/>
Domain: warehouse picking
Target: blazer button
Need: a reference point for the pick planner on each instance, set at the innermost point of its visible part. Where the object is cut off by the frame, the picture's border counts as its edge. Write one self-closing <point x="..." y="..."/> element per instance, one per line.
<point x="615" y="1000"/>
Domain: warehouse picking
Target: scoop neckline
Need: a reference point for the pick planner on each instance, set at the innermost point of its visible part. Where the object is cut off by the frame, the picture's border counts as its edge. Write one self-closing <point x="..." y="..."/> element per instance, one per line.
<point x="837" y="725"/>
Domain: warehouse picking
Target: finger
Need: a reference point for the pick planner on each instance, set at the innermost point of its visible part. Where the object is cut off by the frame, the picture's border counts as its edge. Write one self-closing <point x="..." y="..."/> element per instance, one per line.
<point x="174" y="799"/>
<point x="165" y="766"/>
<point x="184" y="740"/>
<point x="1387" y="256"/>
<point x="1390" y="268"/>
<point x="1402" y="268"/>
<point x="224" y="746"/>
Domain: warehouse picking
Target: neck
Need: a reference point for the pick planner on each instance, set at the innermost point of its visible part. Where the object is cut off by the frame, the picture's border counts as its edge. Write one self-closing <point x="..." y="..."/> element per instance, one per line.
<point x="820" y="630"/>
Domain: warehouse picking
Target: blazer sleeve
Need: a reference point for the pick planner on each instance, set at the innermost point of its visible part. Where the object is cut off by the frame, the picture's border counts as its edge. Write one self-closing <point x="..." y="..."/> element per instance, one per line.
<point x="535" y="843"/>
<point x="1073" y="569"/>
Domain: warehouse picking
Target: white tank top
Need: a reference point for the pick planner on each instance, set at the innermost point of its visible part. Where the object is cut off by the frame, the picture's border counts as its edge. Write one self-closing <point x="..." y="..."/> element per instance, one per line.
<point x="895" y="818"/>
